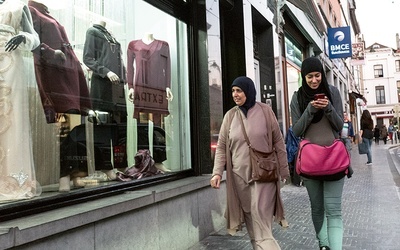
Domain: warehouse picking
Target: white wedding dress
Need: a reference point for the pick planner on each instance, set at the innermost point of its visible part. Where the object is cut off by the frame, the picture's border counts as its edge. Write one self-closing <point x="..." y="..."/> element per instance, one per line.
<point x="17" y="173"/>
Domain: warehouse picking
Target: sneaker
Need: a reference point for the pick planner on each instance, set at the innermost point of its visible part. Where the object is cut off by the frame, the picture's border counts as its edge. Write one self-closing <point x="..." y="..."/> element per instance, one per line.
<point x="368" y="163"/>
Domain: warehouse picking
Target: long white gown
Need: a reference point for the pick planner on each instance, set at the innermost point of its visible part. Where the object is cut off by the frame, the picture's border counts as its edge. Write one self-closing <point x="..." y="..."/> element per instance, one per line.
<point x="17" y="173"/>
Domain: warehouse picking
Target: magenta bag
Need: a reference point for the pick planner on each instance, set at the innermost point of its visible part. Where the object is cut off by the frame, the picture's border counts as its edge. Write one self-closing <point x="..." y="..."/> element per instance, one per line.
<point x="322" y="162"/>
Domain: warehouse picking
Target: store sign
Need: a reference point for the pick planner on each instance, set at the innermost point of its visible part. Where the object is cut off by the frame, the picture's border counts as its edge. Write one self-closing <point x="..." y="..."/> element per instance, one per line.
<point x="339" y="40"/>
<point x="358" y="54"/>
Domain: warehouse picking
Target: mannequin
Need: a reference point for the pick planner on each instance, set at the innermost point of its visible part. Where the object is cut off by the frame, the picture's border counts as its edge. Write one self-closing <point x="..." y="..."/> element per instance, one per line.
<point x="17" y="175"/>
<point x="61" y="82"/>
<point x="149" y="80"/>
<point x="55" y="59"/>
<point x="102" y="54"/>
<point x="149" y="70"/>
<point x="147" y="39"/>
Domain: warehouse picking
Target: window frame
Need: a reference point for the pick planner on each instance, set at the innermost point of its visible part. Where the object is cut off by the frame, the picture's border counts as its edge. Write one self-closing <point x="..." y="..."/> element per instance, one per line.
<point x="380" y="95"/>
<point x="378" y="70"/>
<point x="182" y="10"/>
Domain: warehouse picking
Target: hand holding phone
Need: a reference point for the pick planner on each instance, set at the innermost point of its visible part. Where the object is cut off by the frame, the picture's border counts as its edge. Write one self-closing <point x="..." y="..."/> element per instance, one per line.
<point x="319" y="96"/>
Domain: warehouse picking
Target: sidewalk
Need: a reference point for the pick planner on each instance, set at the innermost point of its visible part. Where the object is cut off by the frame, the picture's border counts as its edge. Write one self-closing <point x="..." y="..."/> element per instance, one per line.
<point x="371" y="210"/>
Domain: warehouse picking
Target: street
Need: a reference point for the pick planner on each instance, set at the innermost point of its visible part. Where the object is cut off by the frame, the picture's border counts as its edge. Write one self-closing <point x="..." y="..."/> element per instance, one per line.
<point x="371" y="209"/>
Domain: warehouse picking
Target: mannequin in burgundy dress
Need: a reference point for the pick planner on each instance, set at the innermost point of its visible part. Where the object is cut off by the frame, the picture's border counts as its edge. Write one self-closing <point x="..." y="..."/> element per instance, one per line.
<point x="149" y="77"/>
<point x="59" y="75"/>
<point x="149" y="80"/>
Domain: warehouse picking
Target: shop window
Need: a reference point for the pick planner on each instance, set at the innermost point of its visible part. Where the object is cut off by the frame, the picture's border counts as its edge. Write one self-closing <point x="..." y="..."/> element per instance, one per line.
<point x="397" y="64"/>
<point x="214" y="73"/>
<point x="109" y="78"/>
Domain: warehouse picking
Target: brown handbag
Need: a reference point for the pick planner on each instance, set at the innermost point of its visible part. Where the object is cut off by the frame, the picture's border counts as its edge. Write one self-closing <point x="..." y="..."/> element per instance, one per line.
<point x="264" y="165"/>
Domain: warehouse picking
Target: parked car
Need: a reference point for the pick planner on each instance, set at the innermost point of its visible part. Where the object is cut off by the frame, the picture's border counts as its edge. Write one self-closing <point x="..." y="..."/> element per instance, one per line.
<point x="107" y="138"/>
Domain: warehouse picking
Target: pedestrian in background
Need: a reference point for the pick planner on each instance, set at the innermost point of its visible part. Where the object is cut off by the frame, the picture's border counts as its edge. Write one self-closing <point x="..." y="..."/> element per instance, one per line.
<point x="377" y="134"/>
<point x="384" y="133"/>
<point x="390" y="131"/>
<point x="366" y="126"/>
<point x="320" y="122"/>
<point x="347" y="133"/>
<point x="255" y="203"/>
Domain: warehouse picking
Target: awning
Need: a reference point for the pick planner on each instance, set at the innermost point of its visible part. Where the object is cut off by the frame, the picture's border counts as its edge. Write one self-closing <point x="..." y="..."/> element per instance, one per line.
<point x="356" y="95"/>
<point x="384" y="115"/>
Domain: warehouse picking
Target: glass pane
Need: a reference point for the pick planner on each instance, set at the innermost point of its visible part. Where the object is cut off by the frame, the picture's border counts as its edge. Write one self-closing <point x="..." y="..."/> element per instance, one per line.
<point x="103" y="84"/>
<point x="214" y="72"/>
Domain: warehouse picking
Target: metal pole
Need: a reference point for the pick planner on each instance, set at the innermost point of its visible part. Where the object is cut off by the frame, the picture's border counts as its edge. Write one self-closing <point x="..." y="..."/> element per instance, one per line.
<point x="396" y="110"/>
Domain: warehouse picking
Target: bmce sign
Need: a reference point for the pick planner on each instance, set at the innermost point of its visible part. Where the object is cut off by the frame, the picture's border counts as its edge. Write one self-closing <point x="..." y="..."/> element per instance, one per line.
<point x="339" y="40"/>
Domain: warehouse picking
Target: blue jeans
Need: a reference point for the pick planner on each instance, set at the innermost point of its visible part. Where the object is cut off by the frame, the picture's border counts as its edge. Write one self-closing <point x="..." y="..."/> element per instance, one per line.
<point x="326" y="211"/>
<point x="369" y="143"/>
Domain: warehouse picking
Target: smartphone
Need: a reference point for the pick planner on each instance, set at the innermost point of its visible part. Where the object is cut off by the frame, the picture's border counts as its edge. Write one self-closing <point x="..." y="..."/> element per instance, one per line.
<point x="319" y="96"/>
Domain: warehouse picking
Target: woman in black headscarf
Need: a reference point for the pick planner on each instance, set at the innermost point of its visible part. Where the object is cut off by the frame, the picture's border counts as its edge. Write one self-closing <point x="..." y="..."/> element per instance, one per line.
<point x="252" y="202"/>
<point x="319" y="120"/>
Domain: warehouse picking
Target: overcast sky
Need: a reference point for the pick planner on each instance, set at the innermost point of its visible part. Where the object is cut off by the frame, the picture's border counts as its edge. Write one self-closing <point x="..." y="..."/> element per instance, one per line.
<point x="379" y="21"/>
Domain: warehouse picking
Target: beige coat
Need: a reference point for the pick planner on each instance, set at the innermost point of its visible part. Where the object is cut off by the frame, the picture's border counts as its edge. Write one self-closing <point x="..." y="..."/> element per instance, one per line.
<point x="231" y="143"/>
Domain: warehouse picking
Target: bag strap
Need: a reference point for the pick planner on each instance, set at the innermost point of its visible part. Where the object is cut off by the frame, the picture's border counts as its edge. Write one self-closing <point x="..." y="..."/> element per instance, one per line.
<point x="244" y="130"/>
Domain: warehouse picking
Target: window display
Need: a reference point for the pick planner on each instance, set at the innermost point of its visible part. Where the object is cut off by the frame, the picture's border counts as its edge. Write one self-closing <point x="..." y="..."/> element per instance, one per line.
<point x="90" y="57"/>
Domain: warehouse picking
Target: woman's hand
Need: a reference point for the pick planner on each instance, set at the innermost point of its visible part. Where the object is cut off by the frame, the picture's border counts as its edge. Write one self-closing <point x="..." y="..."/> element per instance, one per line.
<point x="215" y="181"/>
<point x="320" y="103"/>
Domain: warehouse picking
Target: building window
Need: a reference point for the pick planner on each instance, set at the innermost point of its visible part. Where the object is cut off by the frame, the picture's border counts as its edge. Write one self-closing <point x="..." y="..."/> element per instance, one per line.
<point x="397" y="62"/>
<point x="398" y="91"/>
<point x="378" y="70"/>
<point x="380" y="94"/>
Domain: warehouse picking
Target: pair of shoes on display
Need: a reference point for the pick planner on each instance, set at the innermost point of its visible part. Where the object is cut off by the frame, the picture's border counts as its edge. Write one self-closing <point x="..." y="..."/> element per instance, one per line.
<point x="368" y="163"/>
<point x="324" y="248"/>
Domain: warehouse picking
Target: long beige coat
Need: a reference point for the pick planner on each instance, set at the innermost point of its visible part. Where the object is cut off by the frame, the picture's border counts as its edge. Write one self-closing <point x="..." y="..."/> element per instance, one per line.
<point x="233" y="150"/>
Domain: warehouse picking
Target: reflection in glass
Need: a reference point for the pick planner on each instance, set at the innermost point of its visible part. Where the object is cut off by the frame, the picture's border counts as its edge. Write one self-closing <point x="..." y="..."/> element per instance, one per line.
<point x="91" y="147"/>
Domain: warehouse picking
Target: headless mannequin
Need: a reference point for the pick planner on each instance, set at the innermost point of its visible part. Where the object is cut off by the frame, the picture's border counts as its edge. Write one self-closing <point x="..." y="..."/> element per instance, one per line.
<point x="110" y="75"/>
<point x="147" y="39"/>
<point x="76" y="177"/>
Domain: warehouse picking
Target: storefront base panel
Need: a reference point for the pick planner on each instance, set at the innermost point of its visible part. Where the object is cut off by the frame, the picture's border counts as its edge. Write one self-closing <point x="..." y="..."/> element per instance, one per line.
<point x="173" y="215"/>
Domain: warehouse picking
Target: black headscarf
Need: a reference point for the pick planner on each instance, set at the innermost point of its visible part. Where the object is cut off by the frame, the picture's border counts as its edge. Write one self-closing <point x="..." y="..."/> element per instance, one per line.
<point x="305" y="93"/>
<point x="247" y="86"/>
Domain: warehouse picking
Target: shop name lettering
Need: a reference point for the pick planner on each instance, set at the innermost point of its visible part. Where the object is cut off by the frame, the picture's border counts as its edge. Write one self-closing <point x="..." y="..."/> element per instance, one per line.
<point x="340" y="49"/>
<point x="149" y="97"/>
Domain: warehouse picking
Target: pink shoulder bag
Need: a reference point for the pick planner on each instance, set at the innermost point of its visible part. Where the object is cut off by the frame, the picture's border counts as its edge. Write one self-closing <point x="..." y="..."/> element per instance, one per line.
<point x="322" y="162"/>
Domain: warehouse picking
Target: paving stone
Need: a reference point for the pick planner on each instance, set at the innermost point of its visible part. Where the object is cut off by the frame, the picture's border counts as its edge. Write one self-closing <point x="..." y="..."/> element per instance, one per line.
<point x="371" y="210"/>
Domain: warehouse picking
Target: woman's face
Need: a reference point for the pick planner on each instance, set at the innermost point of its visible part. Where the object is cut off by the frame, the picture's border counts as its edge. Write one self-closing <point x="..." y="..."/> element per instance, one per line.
<point x="238" y="96"/>
<point x="314" y="79"/>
